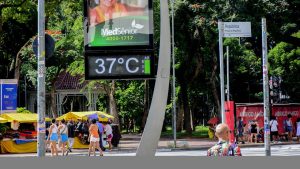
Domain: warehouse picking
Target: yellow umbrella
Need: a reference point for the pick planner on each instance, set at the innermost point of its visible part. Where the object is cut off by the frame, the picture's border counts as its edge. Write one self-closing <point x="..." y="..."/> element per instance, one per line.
<point x="2" y="120"/>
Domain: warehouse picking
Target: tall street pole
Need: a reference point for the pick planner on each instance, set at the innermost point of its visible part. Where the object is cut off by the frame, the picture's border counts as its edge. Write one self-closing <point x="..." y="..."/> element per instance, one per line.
<point x="41" y="80"/>
<point x="174" y="77"/>
<point x="227" y="56"/>
<point x="266" y="88"/>
<point x="221" y="33"/>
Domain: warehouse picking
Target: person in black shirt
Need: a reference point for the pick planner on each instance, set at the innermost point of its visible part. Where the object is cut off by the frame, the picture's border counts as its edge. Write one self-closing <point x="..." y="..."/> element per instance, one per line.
<point x="254" y="131"/>
<point x="71" y="134"/>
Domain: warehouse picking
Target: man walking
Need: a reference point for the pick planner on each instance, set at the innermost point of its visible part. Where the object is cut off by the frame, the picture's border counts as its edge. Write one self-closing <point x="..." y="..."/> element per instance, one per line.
<point x="223" y="147"/>
<point x="71" y="132"/>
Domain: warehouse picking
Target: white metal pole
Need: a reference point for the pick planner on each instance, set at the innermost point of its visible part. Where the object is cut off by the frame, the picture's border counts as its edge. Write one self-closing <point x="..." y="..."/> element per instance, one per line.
<point x="41" y="80"/>
<point x="266" y="88"/>
<point x="221" y="32"/>
<point x="227" y="55"/>
<point x="174" y="77"/>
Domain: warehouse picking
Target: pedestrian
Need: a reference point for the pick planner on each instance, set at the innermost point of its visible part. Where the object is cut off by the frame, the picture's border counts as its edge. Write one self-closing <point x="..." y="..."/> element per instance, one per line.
<point x="289" y="127"/>
<point x="246" y="132"/>
<point x="53" y="138"/>
<point x="298" y="129"/>
<point x="254" y="131"/>
<point x="224" y="147"/>
<point x="274" y="129"/>
<point x="94" y="138"/>
<point x="71" y="134"/>
<point x="47" y="142"/>
<point x="109" y="134"/>
<point x="63" y="132"/>
<point x="240" y="130"/>
<point x="101" y="130"/>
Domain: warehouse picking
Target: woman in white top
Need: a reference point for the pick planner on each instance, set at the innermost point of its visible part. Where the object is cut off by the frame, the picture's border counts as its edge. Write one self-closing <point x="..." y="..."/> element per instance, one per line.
<point x="109" y="134"/>
<point x="63" y="131"/>
<point x="53" y="137"/>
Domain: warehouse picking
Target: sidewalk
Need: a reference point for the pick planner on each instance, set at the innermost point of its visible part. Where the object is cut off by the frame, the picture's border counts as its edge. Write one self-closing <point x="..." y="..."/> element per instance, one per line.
<point x="131" y="142"/>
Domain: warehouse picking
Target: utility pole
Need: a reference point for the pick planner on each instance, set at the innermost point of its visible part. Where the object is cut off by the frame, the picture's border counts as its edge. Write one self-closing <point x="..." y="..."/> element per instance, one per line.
<point x="266" y="88"/>
<point x="227" y="55"/>
<point x="221" y="34"/>
<point x="174" y="77"/>
<point x="41" y="80"/>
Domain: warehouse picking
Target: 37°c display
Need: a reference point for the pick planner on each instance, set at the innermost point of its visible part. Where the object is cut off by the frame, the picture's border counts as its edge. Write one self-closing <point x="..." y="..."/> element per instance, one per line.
<point x="120" y="66"/>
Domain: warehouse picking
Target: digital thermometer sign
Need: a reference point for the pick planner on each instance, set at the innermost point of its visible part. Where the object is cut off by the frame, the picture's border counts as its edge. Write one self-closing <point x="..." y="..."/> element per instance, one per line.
<point x="122" y="66"/>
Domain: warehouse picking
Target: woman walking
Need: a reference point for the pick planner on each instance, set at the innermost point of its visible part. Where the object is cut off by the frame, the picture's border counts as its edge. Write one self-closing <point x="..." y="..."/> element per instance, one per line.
<point x="63" y="131"/>
<point x="94" y="138"/>
<point x="53" y="137"/>
<point x="109" y="134"/>
<point x="289" y="127"/>
<point x="254" y="131"/>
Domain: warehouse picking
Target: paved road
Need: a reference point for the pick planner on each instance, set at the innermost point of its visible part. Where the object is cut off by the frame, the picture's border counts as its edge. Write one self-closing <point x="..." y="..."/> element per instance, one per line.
<point x="277" y="150"/>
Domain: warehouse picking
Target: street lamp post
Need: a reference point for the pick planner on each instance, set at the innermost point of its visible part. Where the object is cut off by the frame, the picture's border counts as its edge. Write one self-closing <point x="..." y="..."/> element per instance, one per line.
<point x="174" y="78"/>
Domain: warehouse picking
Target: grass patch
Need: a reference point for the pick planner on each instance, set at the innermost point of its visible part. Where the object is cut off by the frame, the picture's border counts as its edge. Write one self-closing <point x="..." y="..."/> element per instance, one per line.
<point x="200" y="132"/>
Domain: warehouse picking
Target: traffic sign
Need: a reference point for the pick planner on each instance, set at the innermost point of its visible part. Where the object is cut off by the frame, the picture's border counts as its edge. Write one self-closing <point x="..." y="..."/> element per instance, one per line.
<point x="237" y="29"/>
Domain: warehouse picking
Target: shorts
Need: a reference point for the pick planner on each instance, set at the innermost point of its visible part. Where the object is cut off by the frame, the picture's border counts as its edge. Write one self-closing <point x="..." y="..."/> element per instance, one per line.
<point x="289" y="128"/>
<point x="54" y="137"/>
<point x="64" y="138"/>
<point x="109" y="137"/>
<point x="94" y="139"/>
<point x="274" y="133"/>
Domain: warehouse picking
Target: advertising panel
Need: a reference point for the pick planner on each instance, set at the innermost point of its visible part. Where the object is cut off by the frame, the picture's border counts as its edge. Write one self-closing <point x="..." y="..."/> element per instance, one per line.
<point x="118" y="23"/>
<point x="9" y="88"/>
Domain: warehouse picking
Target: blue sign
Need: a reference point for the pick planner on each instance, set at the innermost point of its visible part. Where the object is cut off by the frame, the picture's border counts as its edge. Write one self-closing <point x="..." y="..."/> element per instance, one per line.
<point x="8" y="97"/>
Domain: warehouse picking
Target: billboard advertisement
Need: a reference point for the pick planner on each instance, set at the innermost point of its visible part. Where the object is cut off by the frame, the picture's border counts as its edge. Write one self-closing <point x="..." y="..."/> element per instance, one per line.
<point x="256" y="112"/>
<point x="118" y="23"/>
<point x="9" y="88"/>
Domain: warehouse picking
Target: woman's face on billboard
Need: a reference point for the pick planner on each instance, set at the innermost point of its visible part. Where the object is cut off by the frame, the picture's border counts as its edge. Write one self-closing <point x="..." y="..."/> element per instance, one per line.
<point x="108" y="3"/>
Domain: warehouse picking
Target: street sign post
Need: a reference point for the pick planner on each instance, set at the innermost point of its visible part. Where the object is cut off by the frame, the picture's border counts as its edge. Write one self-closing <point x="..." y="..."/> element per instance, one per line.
<point x="229" y="29"/>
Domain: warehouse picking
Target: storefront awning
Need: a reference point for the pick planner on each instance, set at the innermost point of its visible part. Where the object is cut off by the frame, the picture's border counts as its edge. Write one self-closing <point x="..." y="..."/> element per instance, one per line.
<point x="20" y="117"/>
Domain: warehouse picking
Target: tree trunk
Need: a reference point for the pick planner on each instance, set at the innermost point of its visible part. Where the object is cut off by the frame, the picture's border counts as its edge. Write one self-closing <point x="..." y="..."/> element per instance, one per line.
<point x="53" y="103"/>
<point x="179" y="124"/>
<point x="146" y="104"/>
<point x="113" y="105"/>
<point x="186" y="107"/>
<point x="213" y="81"/>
